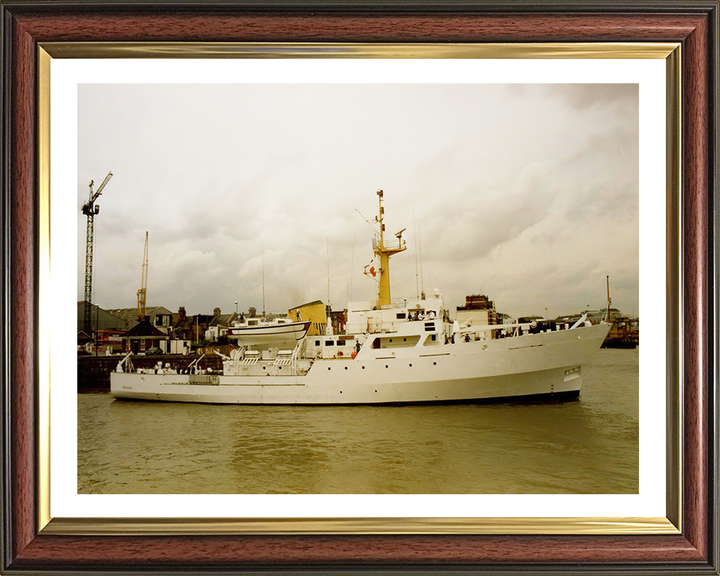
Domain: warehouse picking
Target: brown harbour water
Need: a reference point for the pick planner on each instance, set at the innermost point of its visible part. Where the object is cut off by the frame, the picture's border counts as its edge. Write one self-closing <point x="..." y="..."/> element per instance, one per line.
<point x="583" y="446"/>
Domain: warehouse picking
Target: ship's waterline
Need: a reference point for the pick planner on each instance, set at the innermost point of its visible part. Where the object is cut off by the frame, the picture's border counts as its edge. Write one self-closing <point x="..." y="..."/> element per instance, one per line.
<point x="589" y="445"/>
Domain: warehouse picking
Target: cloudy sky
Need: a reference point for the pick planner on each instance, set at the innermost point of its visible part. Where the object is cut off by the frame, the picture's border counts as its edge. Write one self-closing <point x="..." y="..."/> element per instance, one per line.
<point x="526" y="193"/>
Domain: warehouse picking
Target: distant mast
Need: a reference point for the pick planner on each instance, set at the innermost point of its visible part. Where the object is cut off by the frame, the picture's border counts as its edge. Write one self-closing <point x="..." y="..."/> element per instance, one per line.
<point x="384" y="252"/>
<point x="262" y="256"/>
<point x="142" y="293"/>
<point x="607" y="312"/>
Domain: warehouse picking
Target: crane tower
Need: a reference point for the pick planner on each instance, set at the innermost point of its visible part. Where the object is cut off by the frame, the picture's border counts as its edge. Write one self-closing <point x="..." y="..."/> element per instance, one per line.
<point x="90" y="209"/>
<point x="142" y="310"/>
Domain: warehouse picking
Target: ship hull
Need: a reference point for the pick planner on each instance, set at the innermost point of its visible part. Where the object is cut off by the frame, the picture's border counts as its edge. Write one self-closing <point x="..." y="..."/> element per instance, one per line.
<point x="553" y="363"/>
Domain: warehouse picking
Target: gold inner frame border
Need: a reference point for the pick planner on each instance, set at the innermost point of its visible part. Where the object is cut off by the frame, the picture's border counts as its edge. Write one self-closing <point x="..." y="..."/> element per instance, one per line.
<point x="671" y="524"/>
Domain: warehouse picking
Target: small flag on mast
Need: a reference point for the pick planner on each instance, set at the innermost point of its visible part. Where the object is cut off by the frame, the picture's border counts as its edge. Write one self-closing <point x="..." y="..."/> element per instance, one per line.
<point x="370" y="269"/>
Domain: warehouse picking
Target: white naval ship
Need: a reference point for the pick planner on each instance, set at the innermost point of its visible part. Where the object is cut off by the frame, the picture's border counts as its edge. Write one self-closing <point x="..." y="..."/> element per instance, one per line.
<point x="407" y="352"/>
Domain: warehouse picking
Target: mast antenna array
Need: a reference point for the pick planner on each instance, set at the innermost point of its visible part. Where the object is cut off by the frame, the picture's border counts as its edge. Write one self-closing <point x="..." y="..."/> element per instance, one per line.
<point x="384" y="251"/>
<point x="90" y="209"/>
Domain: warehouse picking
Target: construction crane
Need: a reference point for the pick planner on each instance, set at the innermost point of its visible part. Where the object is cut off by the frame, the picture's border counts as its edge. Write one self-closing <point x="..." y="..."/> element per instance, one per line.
<point x="142" y="310"/>
<point x="91" y="210"/>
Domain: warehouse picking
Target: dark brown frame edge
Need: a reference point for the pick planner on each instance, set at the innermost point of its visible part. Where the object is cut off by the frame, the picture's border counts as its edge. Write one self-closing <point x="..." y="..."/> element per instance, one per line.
<point x="26" y="23"/>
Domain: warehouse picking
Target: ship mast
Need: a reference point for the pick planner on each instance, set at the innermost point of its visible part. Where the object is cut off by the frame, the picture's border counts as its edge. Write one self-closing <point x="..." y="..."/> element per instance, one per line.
<point x="142" y="293"/>
<point x="384" y="251"/>
<point x="607" y="312"/>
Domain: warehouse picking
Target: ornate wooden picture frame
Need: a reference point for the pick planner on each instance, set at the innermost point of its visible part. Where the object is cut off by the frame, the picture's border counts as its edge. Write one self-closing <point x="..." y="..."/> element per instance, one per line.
<point x="33" y="31"/>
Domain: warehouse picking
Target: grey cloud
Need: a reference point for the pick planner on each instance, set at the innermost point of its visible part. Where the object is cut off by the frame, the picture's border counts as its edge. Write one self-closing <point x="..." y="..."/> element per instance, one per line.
<point x="584" y="96"/>
<point x="495" y="184"/>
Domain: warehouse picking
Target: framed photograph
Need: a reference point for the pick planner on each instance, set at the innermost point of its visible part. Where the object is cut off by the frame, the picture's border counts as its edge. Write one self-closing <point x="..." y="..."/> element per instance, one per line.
<point x="556" y="158"/>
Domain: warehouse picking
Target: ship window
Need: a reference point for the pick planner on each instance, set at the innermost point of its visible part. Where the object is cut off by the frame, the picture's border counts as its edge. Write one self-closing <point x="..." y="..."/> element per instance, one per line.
<point x="401" y="315"/>
<point x="341" y="342"/>
<point x="329" y="343"/>
<point x="317" y="342"/>
<point x="430" y="339"/>
<point x="406" y="342"/>
<point x="376" y="343"/>
<point x="429" y="326"/>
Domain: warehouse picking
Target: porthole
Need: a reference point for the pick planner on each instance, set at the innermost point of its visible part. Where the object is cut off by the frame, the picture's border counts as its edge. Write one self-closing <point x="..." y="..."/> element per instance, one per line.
<point x="329" y="368"/>
<point x="386" y="365"/>
<point x="434" y="363"/>
<point x="410" y="365"/>
<point x="363" y="367"/>
<point x="345" y="367"/>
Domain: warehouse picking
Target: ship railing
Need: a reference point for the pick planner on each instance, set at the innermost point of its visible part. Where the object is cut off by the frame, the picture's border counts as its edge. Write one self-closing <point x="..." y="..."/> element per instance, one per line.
<point x="302" y="345"/>
<point x="397" y="244"/>
<point x="516" y="329"/>
<point x="286" y="358"/>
